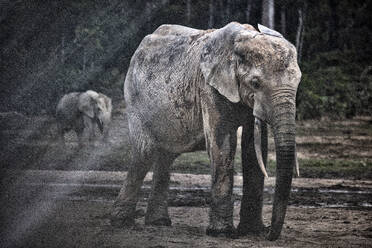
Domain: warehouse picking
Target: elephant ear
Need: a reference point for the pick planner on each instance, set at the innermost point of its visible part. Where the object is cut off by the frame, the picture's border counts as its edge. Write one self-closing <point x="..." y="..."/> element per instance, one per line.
<point x="86" y="102"/>
<point x="217" y="64"/>
<point x="106" y="102"/>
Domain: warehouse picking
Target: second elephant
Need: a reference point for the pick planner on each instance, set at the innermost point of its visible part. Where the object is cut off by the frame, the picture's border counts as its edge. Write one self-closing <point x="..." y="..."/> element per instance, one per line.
<point x="81" y="112"/>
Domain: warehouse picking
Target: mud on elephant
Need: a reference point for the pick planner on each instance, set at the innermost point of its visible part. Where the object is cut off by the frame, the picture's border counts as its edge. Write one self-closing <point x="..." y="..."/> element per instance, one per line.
<point x="81" y="112"/>
<point x="185" y="87"/>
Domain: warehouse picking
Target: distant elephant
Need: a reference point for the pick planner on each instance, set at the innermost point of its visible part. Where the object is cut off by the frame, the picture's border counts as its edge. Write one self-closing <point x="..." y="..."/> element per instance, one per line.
<point x="185" y="87"/>
<point x="81" y="111"/>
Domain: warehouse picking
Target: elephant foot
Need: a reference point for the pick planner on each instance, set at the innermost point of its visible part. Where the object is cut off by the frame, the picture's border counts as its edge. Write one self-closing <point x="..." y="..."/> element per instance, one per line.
<point x="272" y="235"/>
<point x="120" y="218"/>
<point x="254" y="230"/>
<point x="121" y="222"/>
<point x="157" y="214"/>
<point x="162" y="221"/>
<point x="139" y="213"/>
<point x="229" y="232"/>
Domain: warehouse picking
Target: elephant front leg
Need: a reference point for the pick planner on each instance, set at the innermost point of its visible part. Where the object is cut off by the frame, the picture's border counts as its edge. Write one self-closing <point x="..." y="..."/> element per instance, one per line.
<point x="89" y="128"/>
<point x="221" y="145"/>
<point x="61" y="136"/>
<point x="253" y="182"/>
<point x="80" y="136"/>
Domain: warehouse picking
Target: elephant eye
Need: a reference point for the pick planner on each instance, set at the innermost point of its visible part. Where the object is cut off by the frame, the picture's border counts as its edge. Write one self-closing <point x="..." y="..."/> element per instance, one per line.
<point x="255" y="82"/>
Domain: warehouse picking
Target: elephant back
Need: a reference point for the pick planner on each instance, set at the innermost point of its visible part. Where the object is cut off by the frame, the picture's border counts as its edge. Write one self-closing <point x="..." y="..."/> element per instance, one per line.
<point x="67" y="108"/>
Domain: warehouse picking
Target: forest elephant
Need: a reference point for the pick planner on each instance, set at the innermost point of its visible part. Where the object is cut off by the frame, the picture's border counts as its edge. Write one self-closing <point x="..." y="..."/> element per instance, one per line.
<point x="186" y="87"/>
<point x="81" y="111"/>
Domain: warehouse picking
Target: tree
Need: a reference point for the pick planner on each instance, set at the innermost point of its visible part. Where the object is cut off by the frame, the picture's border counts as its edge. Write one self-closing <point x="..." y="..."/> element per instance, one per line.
<point x="248" y="10"/>
<point x="300" y="30"/>
<point x="283" y="20"/>
<point x="188" y="11"/>
<point x="268" y="13"/>
<point x="211" y="14"/>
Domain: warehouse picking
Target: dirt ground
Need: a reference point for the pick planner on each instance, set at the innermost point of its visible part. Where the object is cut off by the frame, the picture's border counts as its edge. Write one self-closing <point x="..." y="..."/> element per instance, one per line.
<point x="61" y="198"/>
<point x="80" y="224"/>
<point x="71" y="208"/>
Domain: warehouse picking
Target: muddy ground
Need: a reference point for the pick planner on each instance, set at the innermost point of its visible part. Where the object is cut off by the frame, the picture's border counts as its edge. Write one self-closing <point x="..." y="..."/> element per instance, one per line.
<point x="53" y="197"/>
<point x="70" y="209"/>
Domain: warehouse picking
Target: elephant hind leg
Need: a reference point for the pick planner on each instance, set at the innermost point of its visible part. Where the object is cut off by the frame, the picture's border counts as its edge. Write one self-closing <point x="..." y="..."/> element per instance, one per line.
<point x="124" y="209"/>
<point x="157" y="208"/>
<point x="143" y="153"/>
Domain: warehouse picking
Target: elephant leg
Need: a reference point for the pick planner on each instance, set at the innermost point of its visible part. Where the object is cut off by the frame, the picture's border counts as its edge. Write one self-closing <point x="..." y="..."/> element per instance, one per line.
<point x="123" y="213"/>
<point x="61" y="135"/>
<point x="143" y="153"/>
<point x="221" y="145"/>
<point x="157" y="208"/>
<point x="105" y="135"/>
<point x="94" y="127"/>
<point x="80" y="135"/>
<point x="253" y="182"/>
<point x="89" y="127"/>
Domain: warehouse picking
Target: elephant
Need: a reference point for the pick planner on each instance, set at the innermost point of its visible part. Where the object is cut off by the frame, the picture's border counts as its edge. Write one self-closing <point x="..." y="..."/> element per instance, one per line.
<point x="187" y="87"/>
<point x="81" y="111"/>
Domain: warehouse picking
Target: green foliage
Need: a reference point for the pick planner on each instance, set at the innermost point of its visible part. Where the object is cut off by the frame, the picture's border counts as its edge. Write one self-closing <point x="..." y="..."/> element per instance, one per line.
<point x="328" y="168"/>
<point x="198" y="163"/>
<point x="336" y="81"/>
<point x="54" y="47"/>
<point x="330" y="86"/>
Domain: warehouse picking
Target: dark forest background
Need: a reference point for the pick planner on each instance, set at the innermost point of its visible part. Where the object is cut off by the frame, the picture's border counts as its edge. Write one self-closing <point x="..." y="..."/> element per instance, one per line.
<point x="49" y="48"/>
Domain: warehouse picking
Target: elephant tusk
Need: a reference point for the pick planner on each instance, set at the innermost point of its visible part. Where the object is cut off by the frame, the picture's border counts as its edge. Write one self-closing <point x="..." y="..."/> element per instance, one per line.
<point x="257" y="145"/>
<point x="297" y="164"/>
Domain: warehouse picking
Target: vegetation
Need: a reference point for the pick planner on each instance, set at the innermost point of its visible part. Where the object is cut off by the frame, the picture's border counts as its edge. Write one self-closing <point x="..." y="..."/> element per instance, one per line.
<point x="50" y="48"/>
<point x="198" y="163"/>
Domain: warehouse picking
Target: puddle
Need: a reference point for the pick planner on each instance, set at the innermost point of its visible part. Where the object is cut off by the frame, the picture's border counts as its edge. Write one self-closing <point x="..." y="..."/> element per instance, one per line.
<point x="355" y="198"/>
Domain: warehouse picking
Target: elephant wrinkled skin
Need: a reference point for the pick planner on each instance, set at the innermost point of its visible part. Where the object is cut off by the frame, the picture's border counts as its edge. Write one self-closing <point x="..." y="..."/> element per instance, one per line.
<point x="186" y="87"/>
<point x="81" y="111"/>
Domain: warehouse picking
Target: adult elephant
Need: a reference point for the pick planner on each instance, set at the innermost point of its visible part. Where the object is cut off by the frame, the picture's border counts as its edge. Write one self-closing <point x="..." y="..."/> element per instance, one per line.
<point x="186" y="86"/>
<point x="81" y="111"/>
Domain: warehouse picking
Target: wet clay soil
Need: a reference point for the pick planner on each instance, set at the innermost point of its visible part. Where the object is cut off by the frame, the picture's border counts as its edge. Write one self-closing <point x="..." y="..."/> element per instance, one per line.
<point x="71" y="209"/>
<point x="61" y="204"/>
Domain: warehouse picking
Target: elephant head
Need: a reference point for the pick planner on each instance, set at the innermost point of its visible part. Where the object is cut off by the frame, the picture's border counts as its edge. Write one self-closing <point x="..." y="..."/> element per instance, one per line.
<point x="260" y="70"/>
<point x="97" y="107"/>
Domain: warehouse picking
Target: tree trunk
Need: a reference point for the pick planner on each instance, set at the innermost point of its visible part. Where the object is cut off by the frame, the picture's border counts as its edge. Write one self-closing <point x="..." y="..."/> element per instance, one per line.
<point x="63" y="50"/>
<point x="228" y="10"/>
<point x="268" y="13"/>
<point x="299" y="32"/>
<point x="211" y="14"/>
<point x="333" y="25"/>
<point x="301" y="43"/>
<point x="188" y="11"/>
<point x="84" y="60"/>
<point x="283" y="21"/>
<point x="248" y="10"/>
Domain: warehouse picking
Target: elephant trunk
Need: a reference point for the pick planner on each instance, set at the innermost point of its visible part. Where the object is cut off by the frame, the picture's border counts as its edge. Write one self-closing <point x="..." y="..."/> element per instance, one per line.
<point x="100" y="124"/>
<point x="284" y="130"/>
